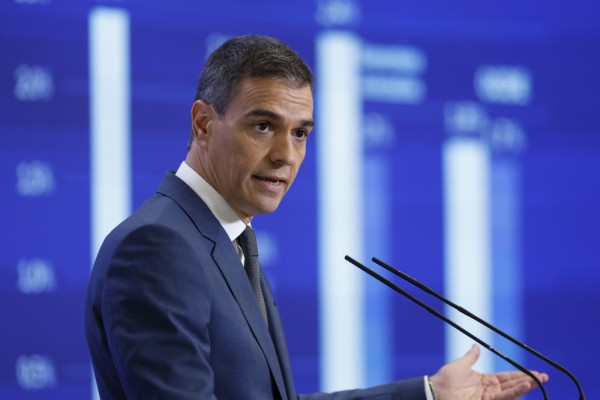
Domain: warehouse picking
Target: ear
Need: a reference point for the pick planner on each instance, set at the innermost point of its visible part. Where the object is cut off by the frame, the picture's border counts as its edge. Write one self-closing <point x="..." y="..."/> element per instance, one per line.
<point x="202" y="115"/>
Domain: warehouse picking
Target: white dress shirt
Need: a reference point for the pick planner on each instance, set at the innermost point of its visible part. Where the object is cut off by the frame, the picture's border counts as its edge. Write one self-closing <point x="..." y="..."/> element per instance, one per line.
<point x="229" y="220"/>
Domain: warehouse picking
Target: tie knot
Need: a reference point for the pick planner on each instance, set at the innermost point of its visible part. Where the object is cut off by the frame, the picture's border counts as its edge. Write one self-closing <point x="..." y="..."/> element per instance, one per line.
<point x="247" y="241"/>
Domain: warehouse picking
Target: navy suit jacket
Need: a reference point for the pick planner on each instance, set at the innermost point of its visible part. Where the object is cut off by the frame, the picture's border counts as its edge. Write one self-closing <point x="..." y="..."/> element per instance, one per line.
<point x="170" y="313"/>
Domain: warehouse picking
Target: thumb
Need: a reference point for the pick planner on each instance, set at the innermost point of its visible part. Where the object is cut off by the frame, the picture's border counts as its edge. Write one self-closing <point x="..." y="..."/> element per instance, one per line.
<point x="471" y="356"/>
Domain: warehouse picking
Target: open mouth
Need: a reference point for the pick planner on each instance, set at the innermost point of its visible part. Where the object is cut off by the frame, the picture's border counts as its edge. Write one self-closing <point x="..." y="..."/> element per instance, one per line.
<point x="270" y="180"/>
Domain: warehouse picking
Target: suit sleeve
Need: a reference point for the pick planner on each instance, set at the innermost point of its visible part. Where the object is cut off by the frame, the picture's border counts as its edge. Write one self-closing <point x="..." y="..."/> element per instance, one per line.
<point x="409" y="389"/>
<point x="156" y="303"/>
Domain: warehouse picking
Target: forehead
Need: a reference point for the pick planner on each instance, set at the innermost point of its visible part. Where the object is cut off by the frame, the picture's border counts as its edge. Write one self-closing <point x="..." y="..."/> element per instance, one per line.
<point x="271" y="94"/>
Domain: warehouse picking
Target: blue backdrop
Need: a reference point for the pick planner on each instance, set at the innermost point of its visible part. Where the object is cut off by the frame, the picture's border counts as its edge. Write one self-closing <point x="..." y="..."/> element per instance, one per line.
<point x="496" y="102"/>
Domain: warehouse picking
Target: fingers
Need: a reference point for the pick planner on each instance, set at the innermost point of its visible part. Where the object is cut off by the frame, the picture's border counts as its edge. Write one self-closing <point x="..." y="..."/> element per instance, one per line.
<point x="504" y="377"/>
<point x="541" y="376"/>
<point x="515" y="383"/>
<point x="518" y="390"/>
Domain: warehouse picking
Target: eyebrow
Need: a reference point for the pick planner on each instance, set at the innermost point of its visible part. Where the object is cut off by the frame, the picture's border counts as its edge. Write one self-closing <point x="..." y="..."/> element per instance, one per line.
<point x="307" y="123"/>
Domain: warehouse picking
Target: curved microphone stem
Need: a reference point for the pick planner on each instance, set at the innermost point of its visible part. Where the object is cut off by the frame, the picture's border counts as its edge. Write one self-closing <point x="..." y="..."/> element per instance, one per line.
<point x="448" y="321"/>
<point x="481" y="321"/>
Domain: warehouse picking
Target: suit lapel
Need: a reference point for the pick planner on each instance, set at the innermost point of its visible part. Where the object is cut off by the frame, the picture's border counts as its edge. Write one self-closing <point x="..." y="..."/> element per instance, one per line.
<point x="230" y="266"/>
<point x="242" y="291"/>
<point x="278" y="337"/>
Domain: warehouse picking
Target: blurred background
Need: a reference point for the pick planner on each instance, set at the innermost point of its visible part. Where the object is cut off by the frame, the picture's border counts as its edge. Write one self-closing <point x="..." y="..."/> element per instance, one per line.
<point x="458" y="142"/>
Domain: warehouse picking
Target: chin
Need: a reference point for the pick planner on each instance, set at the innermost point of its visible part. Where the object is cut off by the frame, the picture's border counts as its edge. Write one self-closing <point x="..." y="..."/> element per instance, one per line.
<point x="268" y="208"/>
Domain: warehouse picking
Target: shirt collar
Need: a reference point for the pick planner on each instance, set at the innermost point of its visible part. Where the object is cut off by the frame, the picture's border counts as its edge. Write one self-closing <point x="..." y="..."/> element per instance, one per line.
<point x="228" y="218"/>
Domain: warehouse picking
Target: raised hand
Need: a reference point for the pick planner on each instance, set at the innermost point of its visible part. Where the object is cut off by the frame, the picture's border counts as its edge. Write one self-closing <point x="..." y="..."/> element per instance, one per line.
<point x="458" y="381"/>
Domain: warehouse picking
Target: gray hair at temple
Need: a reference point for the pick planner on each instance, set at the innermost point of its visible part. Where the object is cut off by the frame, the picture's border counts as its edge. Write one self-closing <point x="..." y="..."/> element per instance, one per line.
<point x="249" y="56"/>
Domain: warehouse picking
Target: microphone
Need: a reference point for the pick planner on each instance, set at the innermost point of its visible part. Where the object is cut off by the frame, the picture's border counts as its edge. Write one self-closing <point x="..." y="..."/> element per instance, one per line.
<point x="482" y="322"/>
<point x="433" y="311"/>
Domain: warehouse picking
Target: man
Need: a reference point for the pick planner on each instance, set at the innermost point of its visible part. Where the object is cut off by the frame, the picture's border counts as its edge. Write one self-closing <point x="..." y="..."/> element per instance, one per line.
<point x="170" y="311"/>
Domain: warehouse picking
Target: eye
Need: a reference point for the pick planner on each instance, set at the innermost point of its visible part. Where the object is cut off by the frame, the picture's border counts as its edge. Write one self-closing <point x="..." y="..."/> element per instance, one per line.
<point x="300" y="134"/>
<point x="262" y="126"/>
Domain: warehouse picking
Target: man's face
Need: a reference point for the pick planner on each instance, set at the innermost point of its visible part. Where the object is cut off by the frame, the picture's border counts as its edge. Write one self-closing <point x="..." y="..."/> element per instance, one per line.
<point x="251" y="155"/>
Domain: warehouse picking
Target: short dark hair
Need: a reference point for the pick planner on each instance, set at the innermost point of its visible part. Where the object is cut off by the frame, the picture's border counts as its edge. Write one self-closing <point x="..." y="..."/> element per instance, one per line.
<point x="248" y="56"/>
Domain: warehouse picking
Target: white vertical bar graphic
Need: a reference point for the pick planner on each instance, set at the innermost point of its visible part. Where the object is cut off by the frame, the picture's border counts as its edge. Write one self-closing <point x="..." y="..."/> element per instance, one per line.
<point x="467" y="237"/>
<point x="109" y="114"/>
<point x="110" y="169"/>
<point x="340" y="191"/>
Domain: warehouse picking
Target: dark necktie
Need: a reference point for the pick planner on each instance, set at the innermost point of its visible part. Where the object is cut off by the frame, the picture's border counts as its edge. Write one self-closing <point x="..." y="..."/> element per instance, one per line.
<point x="247" y="241"/>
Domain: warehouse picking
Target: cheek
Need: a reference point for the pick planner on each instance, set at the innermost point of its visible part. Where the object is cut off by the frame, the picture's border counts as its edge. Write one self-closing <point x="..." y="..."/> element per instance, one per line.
<point x="242" y="161"/>
<point x="297" y="165"/>
<point x="301" y="154"/>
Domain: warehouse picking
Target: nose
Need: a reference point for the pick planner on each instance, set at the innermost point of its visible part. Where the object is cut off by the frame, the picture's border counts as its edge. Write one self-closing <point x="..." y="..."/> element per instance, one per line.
<point x="283" y="149"/>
